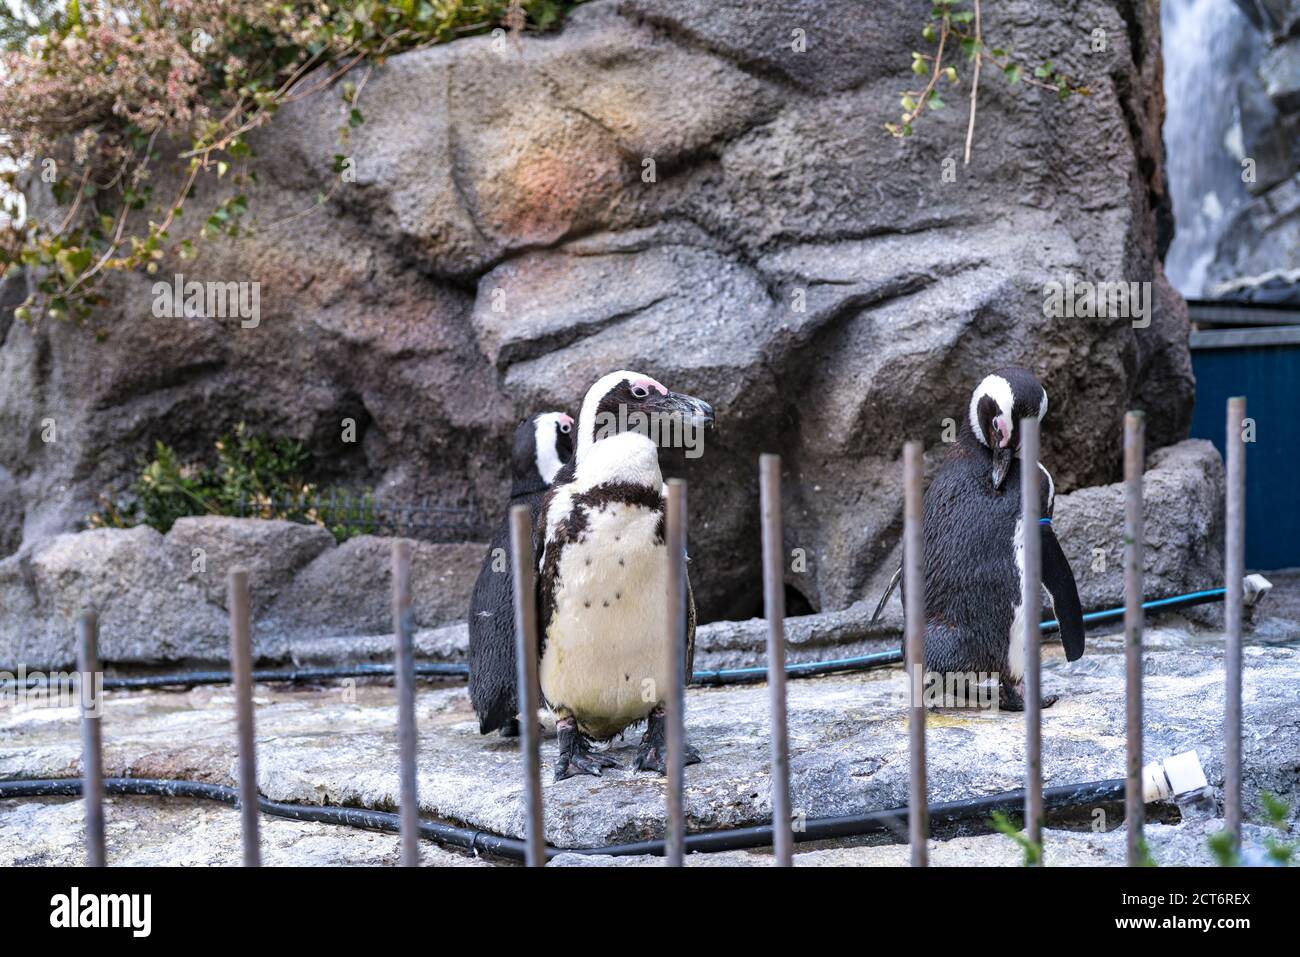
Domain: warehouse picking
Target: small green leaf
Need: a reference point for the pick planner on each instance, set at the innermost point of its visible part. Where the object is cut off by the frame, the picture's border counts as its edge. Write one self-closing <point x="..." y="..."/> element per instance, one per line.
<point x="1012" y="73"/>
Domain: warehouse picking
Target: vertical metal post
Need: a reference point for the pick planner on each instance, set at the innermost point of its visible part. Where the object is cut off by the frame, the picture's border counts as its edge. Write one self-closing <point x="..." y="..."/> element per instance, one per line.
<point x="92" y="755"/>
<point x="676" y="697"/>
<point x="769" y="486"/>
<point x="918" y="802"/>
<point x="409" y="795"/>
<point x="1031" y="601"/>
<point x="1134" y="535"/>
<point x="241" y="667"/>
<point x="1234" y="561"/>
<point x="521" y="553"/>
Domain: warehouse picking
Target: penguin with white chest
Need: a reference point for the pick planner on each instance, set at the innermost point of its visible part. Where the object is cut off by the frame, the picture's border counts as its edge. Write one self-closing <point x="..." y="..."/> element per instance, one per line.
<point x="603" y="576"/>
<point x="974" y="545"/>
<point x="542" y="445"/>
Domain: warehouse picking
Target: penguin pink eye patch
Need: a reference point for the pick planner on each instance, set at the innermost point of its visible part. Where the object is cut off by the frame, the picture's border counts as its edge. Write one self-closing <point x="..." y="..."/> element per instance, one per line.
<point x="1003" y="430"/>
<point x="647" y="384"/>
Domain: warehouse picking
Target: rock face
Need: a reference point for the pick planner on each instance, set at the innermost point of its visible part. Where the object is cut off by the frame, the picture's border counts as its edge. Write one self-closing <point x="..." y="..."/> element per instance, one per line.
<point x="676" y="186"/>
<point x="163" y="598"/>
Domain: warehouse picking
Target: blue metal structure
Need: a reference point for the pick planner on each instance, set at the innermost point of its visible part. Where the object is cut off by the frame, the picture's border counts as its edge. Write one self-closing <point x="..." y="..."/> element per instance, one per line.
<point x="1263" y="365"/>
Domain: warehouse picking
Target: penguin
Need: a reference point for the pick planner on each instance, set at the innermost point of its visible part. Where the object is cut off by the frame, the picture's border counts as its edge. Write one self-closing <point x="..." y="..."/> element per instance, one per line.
<point x="602" y="575"/>
<point x="542" y="446"/>
<point x="974" y="545"/>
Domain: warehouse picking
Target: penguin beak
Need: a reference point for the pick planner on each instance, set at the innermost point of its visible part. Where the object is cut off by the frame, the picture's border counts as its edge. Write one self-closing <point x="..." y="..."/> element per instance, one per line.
<point x="694" y="413"/>
<point x="1001" y="465"/>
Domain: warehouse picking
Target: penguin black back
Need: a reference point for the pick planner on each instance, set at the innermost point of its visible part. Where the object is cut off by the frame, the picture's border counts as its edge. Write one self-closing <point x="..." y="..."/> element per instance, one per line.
<point x="542" y="445"/>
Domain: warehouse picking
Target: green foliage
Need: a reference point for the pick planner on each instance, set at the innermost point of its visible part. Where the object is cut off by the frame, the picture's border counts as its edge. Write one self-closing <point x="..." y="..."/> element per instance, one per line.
<point x="1003" y="825"/>
<point x="254" y="475"/>
<point x="98" y="96"/>
<point x="949" y="25"/>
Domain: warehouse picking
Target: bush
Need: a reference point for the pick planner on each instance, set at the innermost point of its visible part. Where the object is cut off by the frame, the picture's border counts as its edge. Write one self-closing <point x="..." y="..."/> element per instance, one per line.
<point x="95" y="94"/>
<point x="254" y="476"/>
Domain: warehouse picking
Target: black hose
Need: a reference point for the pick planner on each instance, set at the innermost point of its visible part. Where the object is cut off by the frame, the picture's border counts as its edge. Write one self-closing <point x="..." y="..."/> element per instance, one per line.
<point x="721" y="676"/>
<point x="893" y="820"/>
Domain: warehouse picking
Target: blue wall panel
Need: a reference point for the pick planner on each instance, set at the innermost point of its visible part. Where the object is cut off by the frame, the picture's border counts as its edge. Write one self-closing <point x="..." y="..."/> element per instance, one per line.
<point x="1269" y="377"/>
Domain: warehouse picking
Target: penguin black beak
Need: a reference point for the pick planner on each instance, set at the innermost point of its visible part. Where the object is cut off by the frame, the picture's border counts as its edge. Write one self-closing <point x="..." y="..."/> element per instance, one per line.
<point x="694" y="413"/>
<point x="1001" y="466"/>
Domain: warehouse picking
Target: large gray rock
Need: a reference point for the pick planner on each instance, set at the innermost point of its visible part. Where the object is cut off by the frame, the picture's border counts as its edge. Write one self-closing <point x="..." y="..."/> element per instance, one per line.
<point x="1182" y="519"/>
<point x="163" y="598"/>
<point x="505" y="242"/>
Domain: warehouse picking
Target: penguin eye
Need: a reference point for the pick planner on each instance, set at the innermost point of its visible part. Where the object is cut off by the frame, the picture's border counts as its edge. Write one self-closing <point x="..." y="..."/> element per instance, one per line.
<point x="640" y="391"/>
<point x="566" y="428"/>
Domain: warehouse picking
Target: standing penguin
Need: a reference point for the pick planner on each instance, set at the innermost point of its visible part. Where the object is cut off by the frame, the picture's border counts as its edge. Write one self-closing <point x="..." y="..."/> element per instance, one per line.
<point x="543" y="444"/>
<point x="974" y="545"/>
<point x="602" y="587"/>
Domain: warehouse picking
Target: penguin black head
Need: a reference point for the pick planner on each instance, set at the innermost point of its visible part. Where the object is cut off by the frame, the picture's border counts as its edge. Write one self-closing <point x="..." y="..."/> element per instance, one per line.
<point x="625" y="401"/>
<point x="996" y="408"/>
<point x="543" y="443"/>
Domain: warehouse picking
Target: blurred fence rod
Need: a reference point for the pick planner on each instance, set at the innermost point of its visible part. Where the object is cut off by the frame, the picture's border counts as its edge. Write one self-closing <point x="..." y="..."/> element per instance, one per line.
<point x="92" y="754"/>
<point x="521" y="553"/>
<point x="404" y="668"/>
<point x="1234" y="570"/>
<point x="769" y="484"/>
<point x="1031" y="600"/>
<point x="241" y="668"/>
<point x="676" y="697"/>
<point x="1134" y="535"/>
<point x="918" y="829"/>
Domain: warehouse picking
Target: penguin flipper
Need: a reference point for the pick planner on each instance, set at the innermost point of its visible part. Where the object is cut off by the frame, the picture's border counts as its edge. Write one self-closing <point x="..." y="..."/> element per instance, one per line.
<point x="1059" y="580"/>
<point x="884" y="599"/>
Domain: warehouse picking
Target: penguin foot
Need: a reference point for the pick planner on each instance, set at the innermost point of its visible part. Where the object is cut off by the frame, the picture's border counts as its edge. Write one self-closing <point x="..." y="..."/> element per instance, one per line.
<point x="510" y="729"/>
<point x="576" y="756"/>
<point x="652" y="755"/>
<point x="1011" y="697"/>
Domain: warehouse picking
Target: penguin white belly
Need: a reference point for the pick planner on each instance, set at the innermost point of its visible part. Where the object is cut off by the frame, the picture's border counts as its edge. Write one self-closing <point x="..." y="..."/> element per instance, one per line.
<point x="606" y="645"/>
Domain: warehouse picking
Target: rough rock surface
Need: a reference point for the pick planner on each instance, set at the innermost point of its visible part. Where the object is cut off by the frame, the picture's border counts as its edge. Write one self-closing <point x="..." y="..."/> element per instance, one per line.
<point x="504" y="242"/>
<point x="163" y="598"/>
<point x="848" y="738"/>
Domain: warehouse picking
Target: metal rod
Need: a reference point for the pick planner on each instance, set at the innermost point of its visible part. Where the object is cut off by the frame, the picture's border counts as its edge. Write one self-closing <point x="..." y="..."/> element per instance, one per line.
<point x="1134" y="536"/>
<point x="769" y="493"/>
<point x="92" y="754"/>
<point x="918" y="823"/>
<point x="676" y="697"/>
<point x="409" y="795"/>
<point x="1031" y="601"/>
<point x="1234" y="570"/>
<point x="521" y="552"/>
<point x="241" y="668"/>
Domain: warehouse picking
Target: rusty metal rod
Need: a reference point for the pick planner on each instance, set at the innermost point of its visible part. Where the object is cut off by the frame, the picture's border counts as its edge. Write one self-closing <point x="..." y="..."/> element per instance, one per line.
<point x="1234" y="571"/>
<point x="521" y="552"/>
<point x="769" y="493"/>
<point x="1031" y="600"/>
<point x="92" y="754"/>
<point x="404" y="669"/>
<point x="918" y="819"/>
<point x="241" y="668"/>
<point x="1134" y="536"/>
<point x="675" y="700"/>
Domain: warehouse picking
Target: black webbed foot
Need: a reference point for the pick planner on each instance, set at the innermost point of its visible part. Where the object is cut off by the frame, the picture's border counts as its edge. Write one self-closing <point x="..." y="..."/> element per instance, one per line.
<point x="576" y="756"/>
<point x="652" y="755"/>
<point x="510" y="729"/>
<point x="1011" y="697"/>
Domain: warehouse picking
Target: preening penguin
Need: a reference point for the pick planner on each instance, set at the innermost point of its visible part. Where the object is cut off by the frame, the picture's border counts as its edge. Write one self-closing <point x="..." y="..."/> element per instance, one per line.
<point x="974" y="545"/>
<point x="602" y="613"/>
<point x="543" y="444"/>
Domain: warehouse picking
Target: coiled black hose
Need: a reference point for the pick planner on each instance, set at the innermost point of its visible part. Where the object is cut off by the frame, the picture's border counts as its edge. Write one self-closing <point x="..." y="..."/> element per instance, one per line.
<point x="893" y="820"/>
